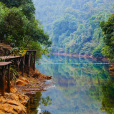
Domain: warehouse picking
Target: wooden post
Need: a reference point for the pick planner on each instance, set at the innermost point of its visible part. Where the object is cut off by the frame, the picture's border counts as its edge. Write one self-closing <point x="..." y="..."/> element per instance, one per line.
<point x="18" y="62"/>
<point x="2" y="80"/>
<point x="34" y="60"/>
<point x="23" y="61"/>
<point x="29" y="59"/>
<point x="8" y="79"/>
<point x="3" y="65"/>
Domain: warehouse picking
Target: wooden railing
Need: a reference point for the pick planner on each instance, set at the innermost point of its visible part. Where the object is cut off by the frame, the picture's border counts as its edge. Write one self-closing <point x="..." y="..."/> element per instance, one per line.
<point x="3" y="66"/>
<point x="24" y="62"/>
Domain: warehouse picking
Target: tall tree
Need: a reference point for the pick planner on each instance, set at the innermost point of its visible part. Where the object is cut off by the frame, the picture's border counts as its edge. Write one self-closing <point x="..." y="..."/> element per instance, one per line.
<point x="108" y="36"/>
<point x="19" y="26"/>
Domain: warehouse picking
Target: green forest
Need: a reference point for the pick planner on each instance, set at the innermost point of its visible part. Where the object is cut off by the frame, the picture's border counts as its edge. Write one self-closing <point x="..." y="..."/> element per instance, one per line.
<point x="83" y="27"/>
<point x="19" y="28"/>
<point x="79" y="26"/>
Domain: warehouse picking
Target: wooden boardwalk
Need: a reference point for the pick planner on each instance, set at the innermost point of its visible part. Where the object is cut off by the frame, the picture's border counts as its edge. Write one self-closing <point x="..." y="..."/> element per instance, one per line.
<point x="3" y="66"/>
<point x="9" y="57"/>
<point x="23" y="62"/>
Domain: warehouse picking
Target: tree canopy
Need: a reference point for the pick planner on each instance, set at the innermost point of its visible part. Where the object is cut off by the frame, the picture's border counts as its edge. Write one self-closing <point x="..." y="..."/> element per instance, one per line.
<point x="73" y="25"/>
<point x="18" y="25"/>
<point x="108" y="36"/>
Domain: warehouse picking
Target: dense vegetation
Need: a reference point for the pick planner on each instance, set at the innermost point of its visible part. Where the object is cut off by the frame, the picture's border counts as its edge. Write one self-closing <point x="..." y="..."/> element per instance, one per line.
<point x="73" y="25"/>
<point x="18" y="25"/>
<point x="108" y="37"/>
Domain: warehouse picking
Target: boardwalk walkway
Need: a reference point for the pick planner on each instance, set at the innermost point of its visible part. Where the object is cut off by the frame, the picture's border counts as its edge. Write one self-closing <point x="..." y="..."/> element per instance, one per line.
<point x="3" y="66"/>
<point x="22" y="63"/>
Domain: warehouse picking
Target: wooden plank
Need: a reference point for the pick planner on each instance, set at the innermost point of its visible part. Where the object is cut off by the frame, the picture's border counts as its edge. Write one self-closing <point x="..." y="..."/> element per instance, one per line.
<point x="8" y="79"/>
<point x="8" y="57"/>
<point x="31" y="50"/>
<point x="29" y="60"/>
<point x="18" y="63"/>
<point x="2" y="80"/>
<point x="4" y="63"/>
<point x="34" y="60"/>
<point x="23" y="65"/>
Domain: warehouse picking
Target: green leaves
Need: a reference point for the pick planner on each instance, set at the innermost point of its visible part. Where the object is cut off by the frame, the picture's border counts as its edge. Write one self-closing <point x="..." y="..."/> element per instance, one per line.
<point x="19" y="27"/>
<point x="108" y="37"/>
<point x="14" y="26"/>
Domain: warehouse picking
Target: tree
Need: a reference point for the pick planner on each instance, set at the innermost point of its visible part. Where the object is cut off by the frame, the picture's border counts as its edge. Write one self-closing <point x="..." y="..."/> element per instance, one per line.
<point x="108" y="37"/>
<point x="14" y="26"/>
<point x="19" y="27"/>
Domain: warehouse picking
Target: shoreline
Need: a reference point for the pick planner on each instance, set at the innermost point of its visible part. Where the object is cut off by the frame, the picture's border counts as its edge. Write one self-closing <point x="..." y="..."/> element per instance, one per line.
<point x="81" y="56"/>
<point x="16" y="101"/>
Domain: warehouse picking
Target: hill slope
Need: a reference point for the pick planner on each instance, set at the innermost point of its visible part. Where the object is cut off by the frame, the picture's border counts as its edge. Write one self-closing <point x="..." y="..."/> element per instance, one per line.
<point x="73" y="25"/>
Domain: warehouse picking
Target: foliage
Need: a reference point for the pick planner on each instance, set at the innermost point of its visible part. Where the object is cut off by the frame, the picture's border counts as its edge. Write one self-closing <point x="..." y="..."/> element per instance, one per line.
<point x="108" y="97"/>
<point x="108" y="37"/>
<point x="46" y="101"/>
<point x="14" y="73"/>
<point x="73" y="25"/>
<point x="97" y="52"/>
<point x="19" y="27"/>
<point x="35" y="46"/>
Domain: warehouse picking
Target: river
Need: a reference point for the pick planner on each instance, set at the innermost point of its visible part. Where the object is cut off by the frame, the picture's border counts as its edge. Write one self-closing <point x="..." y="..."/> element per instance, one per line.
<point x="80" y="86"/>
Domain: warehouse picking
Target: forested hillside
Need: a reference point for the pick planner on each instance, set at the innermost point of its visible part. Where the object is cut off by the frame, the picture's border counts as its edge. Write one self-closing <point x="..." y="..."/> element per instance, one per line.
<point x="73" y="25"/>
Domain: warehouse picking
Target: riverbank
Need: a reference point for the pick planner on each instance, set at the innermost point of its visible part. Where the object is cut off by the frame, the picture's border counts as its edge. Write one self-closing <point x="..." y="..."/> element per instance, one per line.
<point x="73" y="55"/>
<point x="15" y="102"/>
<point x="81" y="56"/>
<point x="111" y="69"/>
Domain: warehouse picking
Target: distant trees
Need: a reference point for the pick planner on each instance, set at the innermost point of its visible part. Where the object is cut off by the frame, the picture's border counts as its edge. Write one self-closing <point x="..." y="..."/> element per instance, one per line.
<point x="74" y="25"/>
<point x="64" y="26"/>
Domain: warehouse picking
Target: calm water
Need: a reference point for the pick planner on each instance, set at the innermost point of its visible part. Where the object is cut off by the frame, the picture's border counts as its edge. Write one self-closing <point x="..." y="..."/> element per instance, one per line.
<point x="85" y="88"/>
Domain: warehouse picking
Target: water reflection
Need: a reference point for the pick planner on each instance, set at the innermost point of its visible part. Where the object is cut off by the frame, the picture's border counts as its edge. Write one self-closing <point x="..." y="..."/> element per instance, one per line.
<point x="108" y="97"/>
<point x="34" y="103"/>
<point x="34" y="106"/>
<point x="79" y="88"/>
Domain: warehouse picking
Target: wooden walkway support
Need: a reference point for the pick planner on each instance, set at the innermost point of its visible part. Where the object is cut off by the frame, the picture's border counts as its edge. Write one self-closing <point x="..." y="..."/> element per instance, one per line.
<point x="22" y="62"/>
<point x="31" y="59"/>
<point x="26" y="62"/>
<point x="3" y="65"/>
<point x="16" y="60"/>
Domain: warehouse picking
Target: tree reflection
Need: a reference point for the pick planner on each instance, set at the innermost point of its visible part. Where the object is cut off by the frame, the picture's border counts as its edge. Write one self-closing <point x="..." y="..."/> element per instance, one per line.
<point x="36" y="101"/>
<point x="46" y="112"/>
<point x="86" y="86"/>
<point x="108" y="97"/>
<point x="46" y="101"/>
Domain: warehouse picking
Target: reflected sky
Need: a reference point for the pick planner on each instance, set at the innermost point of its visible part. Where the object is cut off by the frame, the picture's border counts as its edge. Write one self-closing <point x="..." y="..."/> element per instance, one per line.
<point x="78" y="87"/>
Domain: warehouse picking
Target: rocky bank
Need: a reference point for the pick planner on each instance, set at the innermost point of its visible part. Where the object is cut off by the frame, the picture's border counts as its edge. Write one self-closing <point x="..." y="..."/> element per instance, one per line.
<point x="15" y="102"/>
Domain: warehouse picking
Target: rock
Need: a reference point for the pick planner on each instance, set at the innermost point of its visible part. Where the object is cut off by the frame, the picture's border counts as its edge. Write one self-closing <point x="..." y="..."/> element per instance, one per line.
<point x="48" y="77"/>
<point x="24" y="79"/>
<point x="20" y="82"/>
<point x="13" y="103"/>
<point x="111" y="69"/>
<point x="1" y="112"/>
<point x="37" y="73"/>
<point x="45" y="77"/>
<point x="13" y="89"/>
